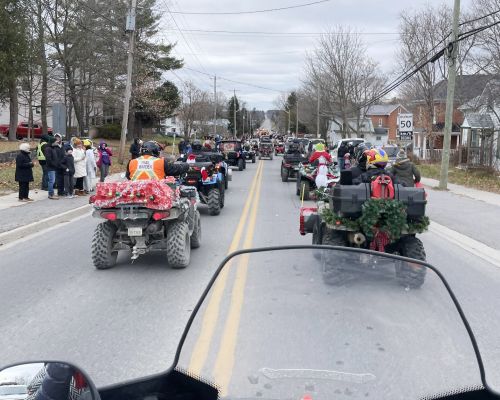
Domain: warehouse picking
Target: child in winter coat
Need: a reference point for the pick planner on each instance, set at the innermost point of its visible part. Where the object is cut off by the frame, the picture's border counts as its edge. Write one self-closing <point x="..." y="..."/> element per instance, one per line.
<point x="91" y="166"/>
<point x="24" y="171"/>
<point x="104" y="161"/>
<point x="68" y="163"/>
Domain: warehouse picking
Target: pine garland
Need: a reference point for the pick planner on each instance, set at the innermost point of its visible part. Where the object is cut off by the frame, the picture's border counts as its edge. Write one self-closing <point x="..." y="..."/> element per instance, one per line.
<point x="379" y="215"/>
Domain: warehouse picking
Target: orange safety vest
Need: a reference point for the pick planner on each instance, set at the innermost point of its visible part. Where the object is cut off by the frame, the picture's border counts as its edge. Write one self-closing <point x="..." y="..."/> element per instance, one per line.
<point x="147" y="167"/>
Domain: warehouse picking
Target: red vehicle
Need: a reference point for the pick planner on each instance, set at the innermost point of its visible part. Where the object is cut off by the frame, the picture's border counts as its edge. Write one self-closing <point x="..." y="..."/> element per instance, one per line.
<point x="22" y="130"/>
<point x="279" y="149"/>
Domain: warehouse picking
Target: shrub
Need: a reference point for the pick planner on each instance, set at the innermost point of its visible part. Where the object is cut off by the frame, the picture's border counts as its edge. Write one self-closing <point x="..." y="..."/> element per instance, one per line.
<point x="109" y="131"/>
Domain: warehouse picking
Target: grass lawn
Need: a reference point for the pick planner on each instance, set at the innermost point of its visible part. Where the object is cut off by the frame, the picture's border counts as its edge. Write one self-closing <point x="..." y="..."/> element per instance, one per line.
<point x="477" y="179"/>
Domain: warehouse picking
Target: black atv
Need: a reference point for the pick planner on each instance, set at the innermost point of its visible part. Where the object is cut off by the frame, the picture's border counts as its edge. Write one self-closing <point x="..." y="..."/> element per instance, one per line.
<point x="233" y="152"/>
<point x="290" y="165"/>
<point x="209" y="182"/>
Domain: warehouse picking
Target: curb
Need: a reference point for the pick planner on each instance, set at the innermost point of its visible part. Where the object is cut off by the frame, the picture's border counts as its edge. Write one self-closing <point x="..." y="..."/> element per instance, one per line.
<point x="34" y="227"/>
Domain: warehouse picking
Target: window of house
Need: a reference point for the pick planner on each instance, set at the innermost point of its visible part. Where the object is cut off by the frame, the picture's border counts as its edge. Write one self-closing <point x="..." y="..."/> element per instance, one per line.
<point x="498" y="145"/>
<point x="434" y="117"/>
<point x="380" y="122"/>
<point x="173" y="120"/>
<point x="362" y="136"/>
<point x="378" y="138"/>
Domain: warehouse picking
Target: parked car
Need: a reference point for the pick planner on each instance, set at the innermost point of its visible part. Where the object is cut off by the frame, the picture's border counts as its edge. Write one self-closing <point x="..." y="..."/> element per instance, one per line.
<point x="392" y="152"/>
<point x="22" y="130"/>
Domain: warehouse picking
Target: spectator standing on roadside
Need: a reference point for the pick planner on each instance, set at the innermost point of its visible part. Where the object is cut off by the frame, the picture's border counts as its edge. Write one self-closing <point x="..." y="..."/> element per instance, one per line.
<point x="104" y="161"/>
<point x="24" y="171"/>
<point x="90" y="165"/>
<point x="181" y="146"/>
<point x="68" y="164"/>
<point x="40" y="155"/>
<point x="59" y="156"/>
<point x="80" y="166"/>
<point x="343" y="149"/>
<point x="135" y="148"/>
<point x="52" y="165"/>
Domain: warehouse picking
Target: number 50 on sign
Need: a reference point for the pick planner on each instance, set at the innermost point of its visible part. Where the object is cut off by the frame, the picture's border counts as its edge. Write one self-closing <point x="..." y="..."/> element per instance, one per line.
<point x="405" y="125"/>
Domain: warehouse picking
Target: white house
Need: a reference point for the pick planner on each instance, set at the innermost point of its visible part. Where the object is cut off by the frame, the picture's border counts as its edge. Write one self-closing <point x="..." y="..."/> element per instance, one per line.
<point x="365" y="130"/>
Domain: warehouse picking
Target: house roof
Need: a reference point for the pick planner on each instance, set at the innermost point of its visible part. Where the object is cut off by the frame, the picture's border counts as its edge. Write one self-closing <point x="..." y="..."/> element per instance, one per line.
<point x="382" y="109"/>
<point x="467" y="87"/>
<point x="478" y="121"/>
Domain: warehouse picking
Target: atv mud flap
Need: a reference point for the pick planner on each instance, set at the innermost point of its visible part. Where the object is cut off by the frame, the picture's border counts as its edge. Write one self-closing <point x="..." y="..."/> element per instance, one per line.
<point x="307" y="219"/>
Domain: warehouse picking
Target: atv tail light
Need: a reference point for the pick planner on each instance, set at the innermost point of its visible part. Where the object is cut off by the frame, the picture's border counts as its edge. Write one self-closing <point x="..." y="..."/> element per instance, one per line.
<point x="110" y="216"/>
<point x="305" y="212"/>
<point x="160" y="215"/>
<point x="191" y="181"/>
<point x="287" y="165"/>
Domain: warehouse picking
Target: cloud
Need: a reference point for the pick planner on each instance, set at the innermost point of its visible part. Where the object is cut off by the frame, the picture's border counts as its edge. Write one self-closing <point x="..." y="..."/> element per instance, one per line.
<point x="275" y="61"/>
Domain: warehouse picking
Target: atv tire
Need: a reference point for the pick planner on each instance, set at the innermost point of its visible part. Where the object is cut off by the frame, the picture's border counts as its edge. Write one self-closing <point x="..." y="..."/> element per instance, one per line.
<point x="103" y="256"/>
<point x="222" y="197"/>
<point x="297" y="189"/>
<point x="305" y="189"/>
<point x="213" y="202"/>
<point x="241" y="164"/>
<point x="196" y="235"/>
<point x="179" y="245"/>
<point x="284" y="174"/>
<point x="411" y="275"/>
<point x="336" y="269"/>
<point x="253" y="159"/>
<point x="226" y="182"/>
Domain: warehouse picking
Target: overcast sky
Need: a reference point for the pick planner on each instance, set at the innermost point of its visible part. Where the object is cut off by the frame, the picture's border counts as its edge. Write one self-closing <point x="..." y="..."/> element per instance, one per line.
<point x="272" y="61"/>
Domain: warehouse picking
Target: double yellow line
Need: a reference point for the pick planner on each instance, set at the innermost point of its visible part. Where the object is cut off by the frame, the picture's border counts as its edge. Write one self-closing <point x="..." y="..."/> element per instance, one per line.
<point x="225" y="358"/>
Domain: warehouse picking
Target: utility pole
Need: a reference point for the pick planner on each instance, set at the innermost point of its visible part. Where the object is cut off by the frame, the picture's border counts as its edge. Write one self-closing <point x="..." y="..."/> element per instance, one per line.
<point x="234" y="114"/>
<point x="317" y="116"/>
<point x="297" y="120"/>
<point x="289" y="132"/>
<point x="451" y="52"/>
<point x="130" y="28"/>
<point x="215" y="105"/>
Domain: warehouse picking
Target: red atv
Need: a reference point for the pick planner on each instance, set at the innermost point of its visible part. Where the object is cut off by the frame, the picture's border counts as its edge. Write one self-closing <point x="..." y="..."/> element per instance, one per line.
<point x="142" y="216"/>
<point x="279" y="149"/>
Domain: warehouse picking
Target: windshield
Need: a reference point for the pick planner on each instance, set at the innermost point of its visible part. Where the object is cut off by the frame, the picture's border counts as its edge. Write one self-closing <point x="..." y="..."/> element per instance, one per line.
<point x="391" y="151"/>
<point x="286" y="324"/>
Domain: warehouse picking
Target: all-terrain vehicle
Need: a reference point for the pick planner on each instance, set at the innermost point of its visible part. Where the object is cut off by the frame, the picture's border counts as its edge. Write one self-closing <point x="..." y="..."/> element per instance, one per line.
<point x="306" y="178"/>
<point x="266" y="149"/>
<point x="290" y="165"/>
<point x="218" y="161"/>
<point x="233" y="153"/>
<point x="209" y="182"/>
<point x="249" y="152"/>
<point x="379" y="216"/>
<point x="279" y="148"/>
<point x="142" y="216"/>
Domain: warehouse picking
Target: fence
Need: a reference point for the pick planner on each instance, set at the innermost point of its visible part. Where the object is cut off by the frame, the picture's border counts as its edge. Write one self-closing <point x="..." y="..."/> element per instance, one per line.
<point x="434" y="156"/>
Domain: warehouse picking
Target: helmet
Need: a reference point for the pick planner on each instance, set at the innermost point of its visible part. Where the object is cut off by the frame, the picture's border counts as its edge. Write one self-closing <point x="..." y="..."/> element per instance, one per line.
<point x="87" y="143"/>
<point x="196" y="146"/>
<point x="359" y="152"/>
<point x="150" y="148"/>
<point x="376" y="157"/>
<point x="207" y="144"/>
<point x="319" y="147"/>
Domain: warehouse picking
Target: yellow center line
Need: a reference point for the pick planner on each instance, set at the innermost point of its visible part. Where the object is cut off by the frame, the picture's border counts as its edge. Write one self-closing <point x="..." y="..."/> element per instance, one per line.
<point x="202" y="346"/>
<point x="225" y="358"/>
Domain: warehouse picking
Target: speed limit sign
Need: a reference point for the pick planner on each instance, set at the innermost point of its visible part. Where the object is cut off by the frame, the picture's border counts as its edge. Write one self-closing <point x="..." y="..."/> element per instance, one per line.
<point x="405" y="126"/>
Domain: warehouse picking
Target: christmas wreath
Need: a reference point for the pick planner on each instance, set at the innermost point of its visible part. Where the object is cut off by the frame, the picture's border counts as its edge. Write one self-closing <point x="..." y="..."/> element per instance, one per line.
<point x="379" y="215"/>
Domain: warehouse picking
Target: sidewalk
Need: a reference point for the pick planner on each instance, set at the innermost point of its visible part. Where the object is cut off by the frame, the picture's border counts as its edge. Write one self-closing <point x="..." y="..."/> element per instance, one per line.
<point x="487" y="197"/>
<point x="15" y="214"/>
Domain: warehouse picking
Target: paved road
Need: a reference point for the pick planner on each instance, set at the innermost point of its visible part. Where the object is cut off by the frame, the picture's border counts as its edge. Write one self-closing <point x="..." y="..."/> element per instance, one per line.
<point x="126" y="322"/>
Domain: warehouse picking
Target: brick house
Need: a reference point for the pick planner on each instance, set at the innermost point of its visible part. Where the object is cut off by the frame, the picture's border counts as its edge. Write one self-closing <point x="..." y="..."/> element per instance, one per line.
<point x="385" y="119"/>
<point x="467" y="87"/>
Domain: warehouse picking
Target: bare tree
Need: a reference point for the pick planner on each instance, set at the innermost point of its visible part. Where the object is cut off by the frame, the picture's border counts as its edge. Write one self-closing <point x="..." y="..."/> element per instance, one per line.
<point x="193" y="108"/>
<point x="346" y="76"/>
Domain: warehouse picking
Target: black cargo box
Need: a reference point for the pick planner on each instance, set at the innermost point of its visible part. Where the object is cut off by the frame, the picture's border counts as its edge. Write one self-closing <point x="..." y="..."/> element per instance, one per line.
<point x="347" y="200"/>
<point x="413" y="198"/>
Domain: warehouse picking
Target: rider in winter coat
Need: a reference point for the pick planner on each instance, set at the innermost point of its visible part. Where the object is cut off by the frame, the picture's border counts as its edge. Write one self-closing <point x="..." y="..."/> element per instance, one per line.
<point x="405" y="171"/>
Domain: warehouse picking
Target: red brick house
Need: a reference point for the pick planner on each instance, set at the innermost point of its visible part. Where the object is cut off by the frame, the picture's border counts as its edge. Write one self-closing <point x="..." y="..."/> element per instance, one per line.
<point x="385" y="119"/>
<point x="467" y="87"/>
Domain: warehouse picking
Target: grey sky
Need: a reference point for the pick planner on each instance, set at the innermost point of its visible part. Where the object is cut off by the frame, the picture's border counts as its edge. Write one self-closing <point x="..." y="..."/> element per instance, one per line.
<point x="275" y="62"/>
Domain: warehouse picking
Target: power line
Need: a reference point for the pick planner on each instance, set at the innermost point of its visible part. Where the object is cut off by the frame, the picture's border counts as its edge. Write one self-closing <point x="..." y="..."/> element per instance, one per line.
<point x="207" y="31"/>
<point x="249" y="12"/>
<point x="479" y="18"/>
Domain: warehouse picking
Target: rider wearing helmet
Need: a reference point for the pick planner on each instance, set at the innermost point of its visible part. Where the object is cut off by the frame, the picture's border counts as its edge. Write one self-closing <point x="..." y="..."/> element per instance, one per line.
<point x="376" y="160"/>
<point x="360" y="157"/>
<point x="150" y="166"/>
<point x="320" y="154"/>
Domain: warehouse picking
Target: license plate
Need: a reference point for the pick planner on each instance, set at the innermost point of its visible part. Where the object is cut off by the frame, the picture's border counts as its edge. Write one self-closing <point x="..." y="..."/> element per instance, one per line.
<point x="135" y="231"/>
